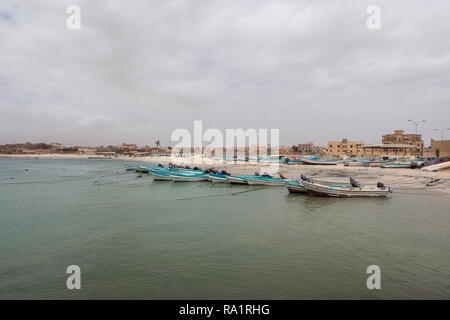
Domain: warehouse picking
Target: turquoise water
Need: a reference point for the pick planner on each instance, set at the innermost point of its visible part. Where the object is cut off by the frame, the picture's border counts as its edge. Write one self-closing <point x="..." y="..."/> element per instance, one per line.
<point x="135" y="238"/>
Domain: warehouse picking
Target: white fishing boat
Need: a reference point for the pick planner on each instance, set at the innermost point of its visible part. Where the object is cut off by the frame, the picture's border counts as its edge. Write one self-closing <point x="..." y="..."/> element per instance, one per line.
<point x="295" y="186"/>
<point x="316" y="189"/>
<point x="242" y="179"/>
<point x="396" y="165"/>
<point x="181" y="177"/>
<point x="218" y="178"/>
<point x="319" y="161"/>
<point x="160" y="175"/>
<point x="265" y="181"/>
<point x="142" y="169"/>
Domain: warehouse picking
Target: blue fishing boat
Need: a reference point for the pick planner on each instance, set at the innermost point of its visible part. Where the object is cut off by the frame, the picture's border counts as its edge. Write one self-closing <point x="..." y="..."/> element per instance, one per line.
<point x="187" y="177"/>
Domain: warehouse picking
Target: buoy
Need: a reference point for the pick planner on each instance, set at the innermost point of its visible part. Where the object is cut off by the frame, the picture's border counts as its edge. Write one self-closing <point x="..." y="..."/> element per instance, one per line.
<point x="26" y="169"/>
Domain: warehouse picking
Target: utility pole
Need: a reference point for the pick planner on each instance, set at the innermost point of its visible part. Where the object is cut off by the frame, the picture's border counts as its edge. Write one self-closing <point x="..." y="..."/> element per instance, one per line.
<point x="416" y="123"/>
<point x="442" y="132"/>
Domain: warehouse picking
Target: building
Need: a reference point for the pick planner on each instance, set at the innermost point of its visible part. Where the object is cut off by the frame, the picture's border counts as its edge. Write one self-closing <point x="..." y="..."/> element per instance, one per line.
<point x="309" y="148"/>
<point x="399" y="137"/>
<point x="387" y="150"/>
<point x="439" y="148"/>
<point x="344" y="147"/>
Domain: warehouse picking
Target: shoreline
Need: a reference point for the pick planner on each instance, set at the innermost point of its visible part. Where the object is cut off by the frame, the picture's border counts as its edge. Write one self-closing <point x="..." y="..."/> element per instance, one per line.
<point x="402" y="179"/>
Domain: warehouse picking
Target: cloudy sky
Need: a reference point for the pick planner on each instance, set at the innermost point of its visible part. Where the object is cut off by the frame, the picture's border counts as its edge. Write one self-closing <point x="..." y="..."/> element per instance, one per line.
<point x="137" y="70"/>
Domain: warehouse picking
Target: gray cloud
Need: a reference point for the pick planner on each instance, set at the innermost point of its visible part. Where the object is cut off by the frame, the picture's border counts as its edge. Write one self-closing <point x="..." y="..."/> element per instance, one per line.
<point x="138" y="70"/>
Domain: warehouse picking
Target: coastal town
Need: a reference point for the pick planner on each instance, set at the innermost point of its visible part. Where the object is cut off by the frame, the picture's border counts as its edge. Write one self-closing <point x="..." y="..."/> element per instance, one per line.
<point x="398" y="144"/>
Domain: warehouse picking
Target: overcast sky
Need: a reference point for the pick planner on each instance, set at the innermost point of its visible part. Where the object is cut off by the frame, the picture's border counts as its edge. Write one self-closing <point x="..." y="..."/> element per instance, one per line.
<point x="137" y="70"/>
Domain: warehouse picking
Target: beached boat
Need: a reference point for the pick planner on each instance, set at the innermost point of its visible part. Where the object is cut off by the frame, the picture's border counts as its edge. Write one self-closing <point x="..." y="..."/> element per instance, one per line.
<point x="293" y="161"/>
<point x="186" y="177"/>
<point x="437" y="167"/>
<point x="397" y="165"/>
<point x="354" y="163"/>
<point x="130" y="167"/>
<point x="294" y="186"/>
<point x="218" y="178"/>
<point x="316" y="189"/>
<point x="160" y="175"/>
<point x="319" y="161"/>
<point x="240" y="179"/>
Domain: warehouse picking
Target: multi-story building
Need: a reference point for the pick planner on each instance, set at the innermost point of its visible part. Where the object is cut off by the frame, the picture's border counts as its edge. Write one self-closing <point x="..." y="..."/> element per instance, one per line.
<point x="309" y="148"/>
<point x="399" y="137"/>
<point x="344" y="147"/>
<point x="395" y="144"/>
<point x="439" y="148"/>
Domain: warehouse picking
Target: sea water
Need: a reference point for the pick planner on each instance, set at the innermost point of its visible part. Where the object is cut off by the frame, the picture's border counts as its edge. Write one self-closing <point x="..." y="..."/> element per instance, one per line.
<point x="135" y="238"/>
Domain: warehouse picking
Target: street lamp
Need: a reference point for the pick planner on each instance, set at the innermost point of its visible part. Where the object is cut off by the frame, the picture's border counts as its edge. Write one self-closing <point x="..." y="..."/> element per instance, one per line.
<point x="442" y="132"/>
<point x="416" y="122"/>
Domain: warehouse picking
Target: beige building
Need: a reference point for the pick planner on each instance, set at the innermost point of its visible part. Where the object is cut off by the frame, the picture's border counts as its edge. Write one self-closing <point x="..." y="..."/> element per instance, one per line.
<point x="439" y="148"/>
<point x="309" y="148"/>
<point x="344" y="147"/>
<point x="397" y="144"/>
<point x="399" y="137"/>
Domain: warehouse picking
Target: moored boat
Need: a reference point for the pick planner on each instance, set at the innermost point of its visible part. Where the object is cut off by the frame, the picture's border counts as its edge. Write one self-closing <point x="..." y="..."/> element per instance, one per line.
<point x="160" y="175"/>
<point x="265" y="180"/>
<point x="185" y="177"/>
<point x="218" y="178"/>
<point x="294" y="186"/>
<point x="316" y="189"/>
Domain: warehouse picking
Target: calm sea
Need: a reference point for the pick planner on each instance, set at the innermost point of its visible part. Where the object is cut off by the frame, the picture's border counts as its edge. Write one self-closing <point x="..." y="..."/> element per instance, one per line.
<point x="135" y="238"/>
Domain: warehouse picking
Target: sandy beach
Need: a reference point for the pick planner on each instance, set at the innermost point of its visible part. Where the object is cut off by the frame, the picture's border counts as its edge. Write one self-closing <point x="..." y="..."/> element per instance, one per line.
<point x="411" y="181"/>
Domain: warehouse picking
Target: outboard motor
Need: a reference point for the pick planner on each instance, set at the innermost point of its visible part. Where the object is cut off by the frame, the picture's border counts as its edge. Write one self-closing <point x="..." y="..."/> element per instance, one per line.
<point x="303" y="177"/>
<point x="380" y="185"/>
<point x="160" y="165"/>
<point x="224" y="172"/>
<point x="354" y="183"/>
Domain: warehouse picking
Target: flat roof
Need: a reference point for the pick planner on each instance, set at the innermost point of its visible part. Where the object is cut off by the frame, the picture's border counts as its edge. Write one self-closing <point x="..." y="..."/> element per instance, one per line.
<point x="389" y="145"/>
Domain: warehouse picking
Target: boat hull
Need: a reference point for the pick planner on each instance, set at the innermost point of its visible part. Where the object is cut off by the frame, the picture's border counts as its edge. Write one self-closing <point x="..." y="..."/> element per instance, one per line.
<point x="160" y="176"/>
<point x="188" y="178"/>
<point x="265" y="182"/>
<point x="236" y="180"/>
<point x="329" y="191"/>
<point x="319" y="162"/>
<point x="216" y="179"/>
<point x="295" y="187"/>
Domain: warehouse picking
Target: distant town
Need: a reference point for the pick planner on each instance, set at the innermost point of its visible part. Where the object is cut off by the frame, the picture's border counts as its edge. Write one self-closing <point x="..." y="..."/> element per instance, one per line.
<point x="397" y="143"/>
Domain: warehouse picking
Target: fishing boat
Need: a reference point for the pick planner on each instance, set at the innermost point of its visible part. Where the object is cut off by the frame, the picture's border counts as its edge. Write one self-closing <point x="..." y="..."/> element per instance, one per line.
<point x="142" y="169"/>
<point x="293" y="161"/>
<point x="408" y="164"/>
<point x="266" y="180"/>
<point x="187" y="177"/>
<point x="218" y="178"/>
<point x="130" y="167"/>
<point x="160" y="175"/>
<point x="355" y="163"/>
<point x="240" y="179"/>
<point x="319" y="161"/>
<point x="295" y="186"/>
<point x="316" y="189"/>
